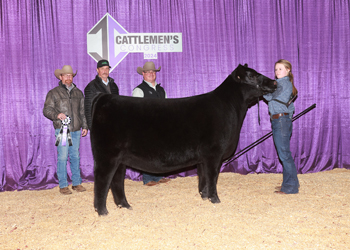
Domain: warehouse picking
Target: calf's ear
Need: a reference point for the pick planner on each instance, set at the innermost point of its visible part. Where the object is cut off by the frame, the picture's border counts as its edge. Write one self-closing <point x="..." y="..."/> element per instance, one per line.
<point x="240" y="71"/>
<point x="246" y="65"/>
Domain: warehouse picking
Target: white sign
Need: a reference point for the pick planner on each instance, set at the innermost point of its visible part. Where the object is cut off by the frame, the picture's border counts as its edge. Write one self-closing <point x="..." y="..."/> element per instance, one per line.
<point x="109" y="40"/>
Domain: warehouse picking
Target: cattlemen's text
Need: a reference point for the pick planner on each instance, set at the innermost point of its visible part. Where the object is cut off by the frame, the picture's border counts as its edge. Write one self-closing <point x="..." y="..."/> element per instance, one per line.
<point x="160" y="39"/>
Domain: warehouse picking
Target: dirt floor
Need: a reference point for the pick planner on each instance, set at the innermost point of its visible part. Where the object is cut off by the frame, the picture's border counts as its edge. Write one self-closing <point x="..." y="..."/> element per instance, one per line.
<point x="173" y="216"/>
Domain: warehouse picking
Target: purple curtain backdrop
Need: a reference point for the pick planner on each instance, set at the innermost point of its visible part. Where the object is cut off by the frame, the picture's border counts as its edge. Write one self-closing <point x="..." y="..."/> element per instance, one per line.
<point x="38" y="37"/>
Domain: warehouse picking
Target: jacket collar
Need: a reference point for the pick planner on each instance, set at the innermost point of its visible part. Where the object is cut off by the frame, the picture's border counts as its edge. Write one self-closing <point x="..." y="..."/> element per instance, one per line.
<point x="64" y="86"/>
<point x="99" y="79"/>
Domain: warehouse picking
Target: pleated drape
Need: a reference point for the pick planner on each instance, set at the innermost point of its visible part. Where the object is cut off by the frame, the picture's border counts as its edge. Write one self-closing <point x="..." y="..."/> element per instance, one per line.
<point x="39" y="36"/>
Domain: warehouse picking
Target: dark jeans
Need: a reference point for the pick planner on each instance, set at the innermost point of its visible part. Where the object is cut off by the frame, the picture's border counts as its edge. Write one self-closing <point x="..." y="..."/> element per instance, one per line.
<point x="147" y="178"/>
<point x="282" y="131"/>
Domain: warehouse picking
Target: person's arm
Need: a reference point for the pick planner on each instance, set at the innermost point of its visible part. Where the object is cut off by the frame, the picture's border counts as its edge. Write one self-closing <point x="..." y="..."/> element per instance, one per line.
<point x="49" y="110"/>
<point x="283" y="91"/>
<point x="89" y="95"/>
<point x="268" y="97"/>
<point x="114" y="87"/>
<point x="82" y="117"/>
<point x="84" y="132"/>
<point x="286" y="92"/>
<point x="137" y="92"/>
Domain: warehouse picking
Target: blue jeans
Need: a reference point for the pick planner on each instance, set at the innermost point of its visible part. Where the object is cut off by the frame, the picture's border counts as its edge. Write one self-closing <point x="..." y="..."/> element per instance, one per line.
<point x="74" y="158"/>
<point x="282" y="131"/>
<point x="147" y="178"/>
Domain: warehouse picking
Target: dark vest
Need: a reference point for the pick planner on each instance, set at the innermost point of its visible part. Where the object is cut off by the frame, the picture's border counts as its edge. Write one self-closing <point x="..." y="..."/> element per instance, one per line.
<point x="149" y="92"/>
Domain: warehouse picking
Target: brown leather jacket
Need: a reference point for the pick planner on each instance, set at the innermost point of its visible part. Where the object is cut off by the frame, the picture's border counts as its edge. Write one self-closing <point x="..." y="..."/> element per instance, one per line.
<point x="70" y="103"/>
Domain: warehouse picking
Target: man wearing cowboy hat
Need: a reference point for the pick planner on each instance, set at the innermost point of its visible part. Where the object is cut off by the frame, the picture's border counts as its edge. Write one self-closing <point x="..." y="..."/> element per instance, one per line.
<point x="101" y="84"/>
<point x="64" y="105"/>
<point x="150" y="89"/>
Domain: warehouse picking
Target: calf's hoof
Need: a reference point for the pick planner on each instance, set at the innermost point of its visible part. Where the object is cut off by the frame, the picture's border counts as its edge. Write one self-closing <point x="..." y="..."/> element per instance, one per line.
<point x="102" y="212"/>
<point x="204" y="195"/>
<point x="214" y="200"/>
<point x="124" y="206"/>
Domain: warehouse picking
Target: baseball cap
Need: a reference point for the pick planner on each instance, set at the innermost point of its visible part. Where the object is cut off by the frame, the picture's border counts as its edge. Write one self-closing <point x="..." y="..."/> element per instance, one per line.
<point x="102" y="63"/>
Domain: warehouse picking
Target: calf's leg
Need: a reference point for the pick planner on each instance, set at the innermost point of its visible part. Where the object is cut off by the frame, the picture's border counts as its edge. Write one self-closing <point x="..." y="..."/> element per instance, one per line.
<point x="117" y="187"/>
<point x="211" y="169"/>
<point x="202" y="184"/>
<point x="103" y="174"/>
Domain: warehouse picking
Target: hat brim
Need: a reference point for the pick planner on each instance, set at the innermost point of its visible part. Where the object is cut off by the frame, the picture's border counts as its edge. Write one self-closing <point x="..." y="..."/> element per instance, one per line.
<point x="59" y="72"/>
<point x="140" y="70"/>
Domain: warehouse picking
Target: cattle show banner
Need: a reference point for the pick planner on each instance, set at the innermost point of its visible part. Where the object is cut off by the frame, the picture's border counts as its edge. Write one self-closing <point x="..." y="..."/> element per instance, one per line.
<point x="109" y="40"/>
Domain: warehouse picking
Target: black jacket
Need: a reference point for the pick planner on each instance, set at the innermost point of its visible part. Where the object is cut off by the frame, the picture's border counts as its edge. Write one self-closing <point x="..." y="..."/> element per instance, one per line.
<point x="71" y="103"/>
<point x="95" y="87"/>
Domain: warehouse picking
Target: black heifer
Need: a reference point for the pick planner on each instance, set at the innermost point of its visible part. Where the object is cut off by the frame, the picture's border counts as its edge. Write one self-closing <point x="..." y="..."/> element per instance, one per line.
<point x="160" y="136"/>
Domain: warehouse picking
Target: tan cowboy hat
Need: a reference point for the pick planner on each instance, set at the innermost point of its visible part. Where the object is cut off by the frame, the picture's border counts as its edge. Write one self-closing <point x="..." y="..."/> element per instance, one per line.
<point x="147" y="66"/>
<point x="67" y="69"/>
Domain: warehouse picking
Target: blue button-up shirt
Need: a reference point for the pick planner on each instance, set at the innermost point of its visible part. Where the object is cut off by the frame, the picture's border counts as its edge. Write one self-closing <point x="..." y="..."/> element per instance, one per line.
<point x="282" y="93"/>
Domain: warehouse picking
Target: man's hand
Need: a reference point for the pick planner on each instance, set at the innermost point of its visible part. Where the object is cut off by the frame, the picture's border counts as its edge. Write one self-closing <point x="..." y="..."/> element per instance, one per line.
<point x="84" y="132"/>
<point x="61" y="116"/>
